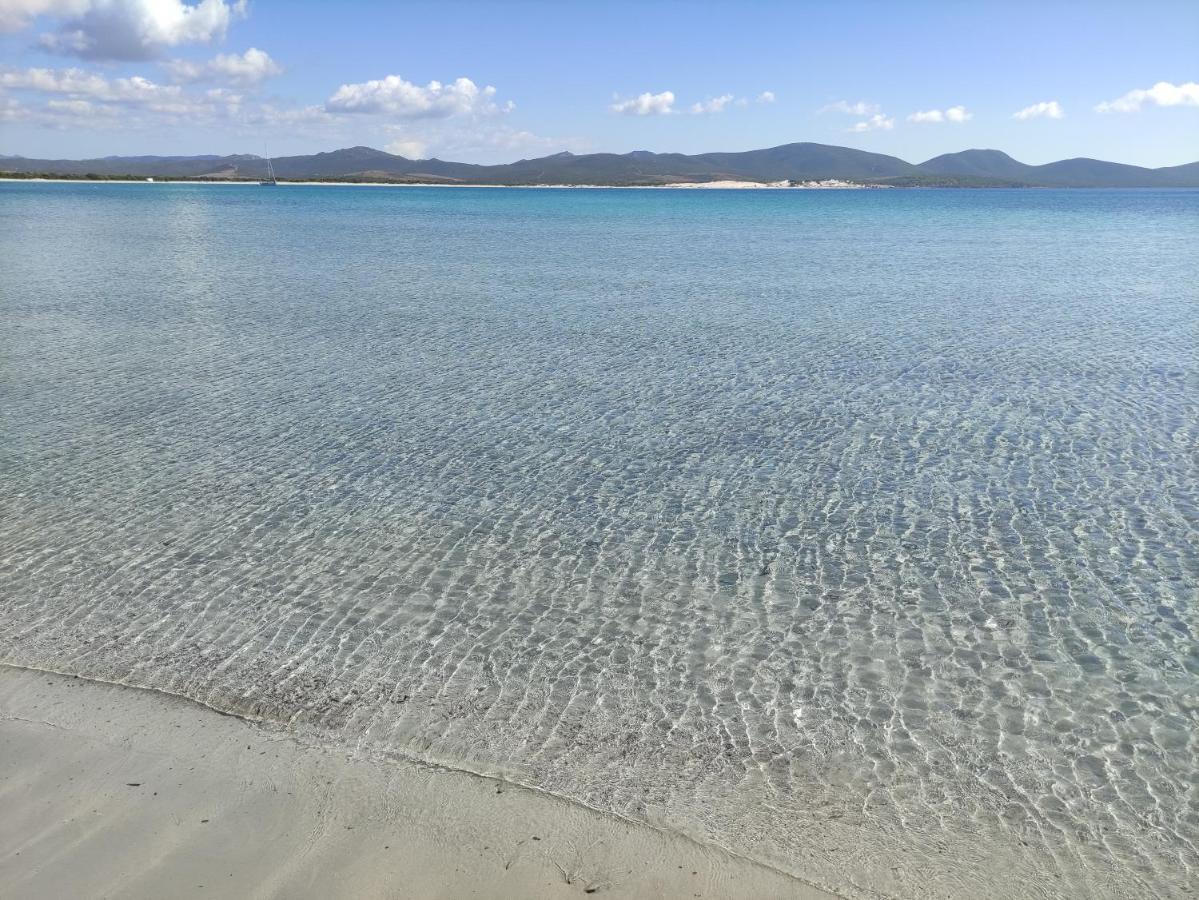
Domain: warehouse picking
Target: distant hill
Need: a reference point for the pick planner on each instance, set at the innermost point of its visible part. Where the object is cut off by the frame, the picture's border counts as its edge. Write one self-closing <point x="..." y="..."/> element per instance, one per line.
<point x="793" y="162"/>
<point x="982" y="163"/>
<point x="1079" y="172"/>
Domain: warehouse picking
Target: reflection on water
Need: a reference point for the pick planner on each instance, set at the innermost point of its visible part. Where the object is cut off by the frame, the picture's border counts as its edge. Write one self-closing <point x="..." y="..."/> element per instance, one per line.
<point x="858" y="532"/>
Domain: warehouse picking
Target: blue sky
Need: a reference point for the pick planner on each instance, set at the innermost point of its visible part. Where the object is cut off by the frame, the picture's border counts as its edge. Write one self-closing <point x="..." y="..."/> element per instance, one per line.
<point x="491" y="82"/>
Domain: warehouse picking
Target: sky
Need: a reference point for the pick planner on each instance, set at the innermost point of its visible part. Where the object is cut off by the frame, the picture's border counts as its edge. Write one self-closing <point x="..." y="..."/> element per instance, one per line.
<point x="495" y="82"/>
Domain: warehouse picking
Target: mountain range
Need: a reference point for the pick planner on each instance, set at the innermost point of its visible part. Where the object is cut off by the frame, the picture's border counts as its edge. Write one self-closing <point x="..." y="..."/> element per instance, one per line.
<point x="791" y="162"/>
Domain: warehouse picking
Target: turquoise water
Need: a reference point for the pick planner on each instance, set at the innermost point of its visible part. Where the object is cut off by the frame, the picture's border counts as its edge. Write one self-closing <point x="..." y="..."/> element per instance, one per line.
<point x="856" y="531"/>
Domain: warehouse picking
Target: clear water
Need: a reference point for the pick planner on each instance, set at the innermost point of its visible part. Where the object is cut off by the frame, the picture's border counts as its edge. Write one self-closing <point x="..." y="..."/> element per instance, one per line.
<point x="854" y="531"/>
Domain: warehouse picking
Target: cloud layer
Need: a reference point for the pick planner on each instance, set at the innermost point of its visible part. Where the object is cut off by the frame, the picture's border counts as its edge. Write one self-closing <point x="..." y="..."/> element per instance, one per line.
<point x="712" y="105"/>
<point x="459" y="118"/>
<point x="251" y="67"/>
<point x="957" y="114"/>
<point x="128" y="29"/>
<point x="396" y="97"/>
<point x="81" y="95"/>
<point x="1049" y="109"/>
<point x="1161" y="94"/>
<point x="18" y="14"/>
<point x="861" y="108"/>
<point x="877" y="122"/>
<point x="646" y="104"/>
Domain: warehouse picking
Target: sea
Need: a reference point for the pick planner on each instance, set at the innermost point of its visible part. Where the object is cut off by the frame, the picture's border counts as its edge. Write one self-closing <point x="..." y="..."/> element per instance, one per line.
<point x="853" y="531"/>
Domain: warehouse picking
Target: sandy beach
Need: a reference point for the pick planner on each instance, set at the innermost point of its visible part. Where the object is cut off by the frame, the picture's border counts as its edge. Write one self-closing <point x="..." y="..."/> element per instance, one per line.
<point x="111" y="791"/>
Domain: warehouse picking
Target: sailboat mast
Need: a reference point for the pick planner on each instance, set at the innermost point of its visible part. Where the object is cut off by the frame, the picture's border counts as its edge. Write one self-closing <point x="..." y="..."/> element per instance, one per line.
<point x="270" y="168"/>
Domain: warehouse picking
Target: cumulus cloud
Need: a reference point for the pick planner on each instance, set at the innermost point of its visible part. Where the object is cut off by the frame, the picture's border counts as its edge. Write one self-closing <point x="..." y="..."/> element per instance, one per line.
<point x="1161" y="94"/>
<point x="251" y="67"/>
<point x="488" y="139"/>
<point x="288" y="116"/>
<point x="662" y="104"/>
<point x="18" y="14"/>
<point x="54" y="81"/>
<point x="82" y="93"/>
<point x="957" y="114"/>
<point x="410" y="149"/>
<point x="499" y="140"/>
<point x="12" y="110"/>
<point x="646" y="104"/>
<point x="877" y="122"/>
<point x="712" y="105"/>
<point x="82" y="109"/>
<point x="861" y="108"/>
<point x="80" y="83"/>
<point x="396" y="97"/>
<point x="1049" y="109"/>
<point x="136" y="29"/>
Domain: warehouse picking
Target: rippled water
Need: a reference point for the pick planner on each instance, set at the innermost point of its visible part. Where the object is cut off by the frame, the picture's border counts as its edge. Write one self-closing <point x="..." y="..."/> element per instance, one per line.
<point x="855" y="531"/>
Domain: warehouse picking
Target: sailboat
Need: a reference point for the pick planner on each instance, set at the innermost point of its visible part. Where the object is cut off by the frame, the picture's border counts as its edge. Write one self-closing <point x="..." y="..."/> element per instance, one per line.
<point x="270" y="174"/>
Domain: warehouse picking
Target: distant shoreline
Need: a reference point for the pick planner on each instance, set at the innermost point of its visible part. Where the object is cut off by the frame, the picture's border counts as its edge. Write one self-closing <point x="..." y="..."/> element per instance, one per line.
<point x="690" y="185"/>
<point x="802" y="164"/>
<point x="831" y="184"/>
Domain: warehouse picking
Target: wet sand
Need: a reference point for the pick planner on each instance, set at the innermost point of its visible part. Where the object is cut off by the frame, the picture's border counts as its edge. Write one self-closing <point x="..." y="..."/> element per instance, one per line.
<point x="111" y="791"/>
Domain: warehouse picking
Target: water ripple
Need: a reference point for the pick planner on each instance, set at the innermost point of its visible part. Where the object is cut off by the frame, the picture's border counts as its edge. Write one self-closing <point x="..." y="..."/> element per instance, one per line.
<point x="857" y="533"/>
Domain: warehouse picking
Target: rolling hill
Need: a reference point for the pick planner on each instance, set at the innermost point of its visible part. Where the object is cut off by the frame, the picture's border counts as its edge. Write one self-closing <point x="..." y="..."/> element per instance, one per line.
<point x="1080" y="172"/>
<point x="794" y="162"/>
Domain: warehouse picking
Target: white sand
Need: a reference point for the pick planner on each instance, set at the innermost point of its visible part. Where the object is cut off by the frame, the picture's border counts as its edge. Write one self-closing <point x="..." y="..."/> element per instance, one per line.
<point x="108" y="791"/>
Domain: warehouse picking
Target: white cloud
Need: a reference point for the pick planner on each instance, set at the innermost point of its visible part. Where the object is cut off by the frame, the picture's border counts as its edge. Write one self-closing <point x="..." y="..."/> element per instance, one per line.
<point x="861" y="108"/>
<point x="81" y="93"/>
<point x="303" y="116"/>
<point x="1161" y="94"/>
<point x="11" y="110"/>
<point x="485" y="140"/>
<point x="131" y="29"/>
<point x="251" y="67"/>
<point x="766" y="97"/>
<point x="18" y="14"/>
<point x="712" y="105"/>
<point x="410" y="149"/>
<point x="956" y="114"/>
<point x="84" y="109"/>
<point x="646" y="104"/>
<point x="395" y="96"/>
<point x="80" y="83"/>
<point x="877" y="122"/>
<point x="55" y="81"/>
<point x="1049" y="109"/>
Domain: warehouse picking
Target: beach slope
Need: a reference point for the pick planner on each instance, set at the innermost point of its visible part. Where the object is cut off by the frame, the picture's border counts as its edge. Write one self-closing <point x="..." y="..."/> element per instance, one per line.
<point x="110" y="791"/>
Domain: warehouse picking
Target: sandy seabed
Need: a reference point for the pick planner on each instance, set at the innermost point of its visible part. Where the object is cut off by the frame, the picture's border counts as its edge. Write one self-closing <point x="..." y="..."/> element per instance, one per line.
<point x="109" y="791"/>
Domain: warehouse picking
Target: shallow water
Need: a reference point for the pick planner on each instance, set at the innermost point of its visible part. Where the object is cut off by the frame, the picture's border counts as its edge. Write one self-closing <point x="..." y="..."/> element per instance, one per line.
<point x="854" y="531"/>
